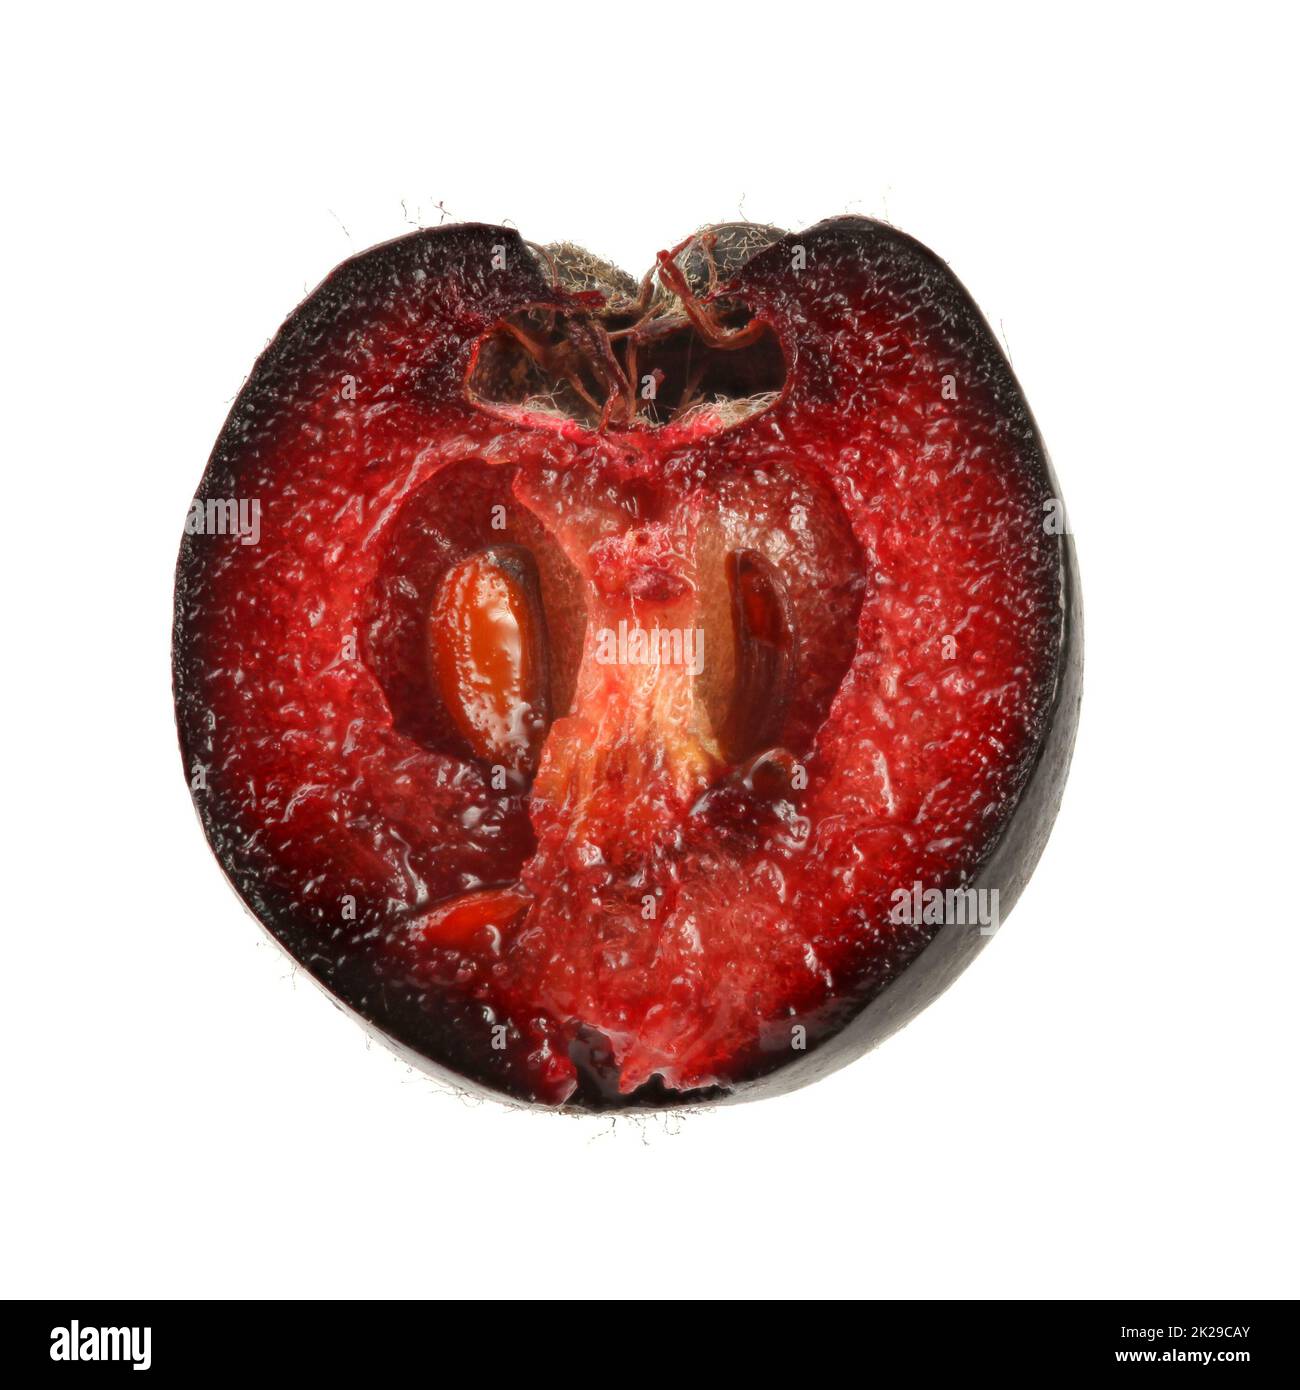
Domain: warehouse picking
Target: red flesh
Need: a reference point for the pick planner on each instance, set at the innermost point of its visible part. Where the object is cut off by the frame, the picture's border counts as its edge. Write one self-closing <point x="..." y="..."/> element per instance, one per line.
<point x="894" y="517"/>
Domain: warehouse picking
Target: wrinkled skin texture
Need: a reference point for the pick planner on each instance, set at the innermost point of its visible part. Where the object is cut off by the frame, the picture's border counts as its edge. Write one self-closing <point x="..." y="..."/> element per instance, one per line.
<point x="676" y="927"/>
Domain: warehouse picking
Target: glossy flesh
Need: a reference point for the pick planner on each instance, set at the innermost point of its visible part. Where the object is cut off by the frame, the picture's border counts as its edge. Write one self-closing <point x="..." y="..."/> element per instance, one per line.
<point x="658" y="916"/>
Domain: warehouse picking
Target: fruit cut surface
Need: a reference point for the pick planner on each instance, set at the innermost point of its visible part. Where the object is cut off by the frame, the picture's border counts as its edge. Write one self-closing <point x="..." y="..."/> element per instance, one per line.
<point x="612" y="658"/>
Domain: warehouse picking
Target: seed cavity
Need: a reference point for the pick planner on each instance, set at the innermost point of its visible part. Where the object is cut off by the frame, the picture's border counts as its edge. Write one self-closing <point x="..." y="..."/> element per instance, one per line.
<point x="489" y="650"/>
<point x="764" y="647"/>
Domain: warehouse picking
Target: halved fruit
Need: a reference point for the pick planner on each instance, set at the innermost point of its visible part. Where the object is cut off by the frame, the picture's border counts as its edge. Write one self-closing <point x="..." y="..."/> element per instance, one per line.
<point x="620" y="664"/>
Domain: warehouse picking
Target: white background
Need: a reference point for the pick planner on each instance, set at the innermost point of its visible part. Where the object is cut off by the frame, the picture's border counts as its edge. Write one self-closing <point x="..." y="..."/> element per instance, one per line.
<point x="1104" y="1105"/>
